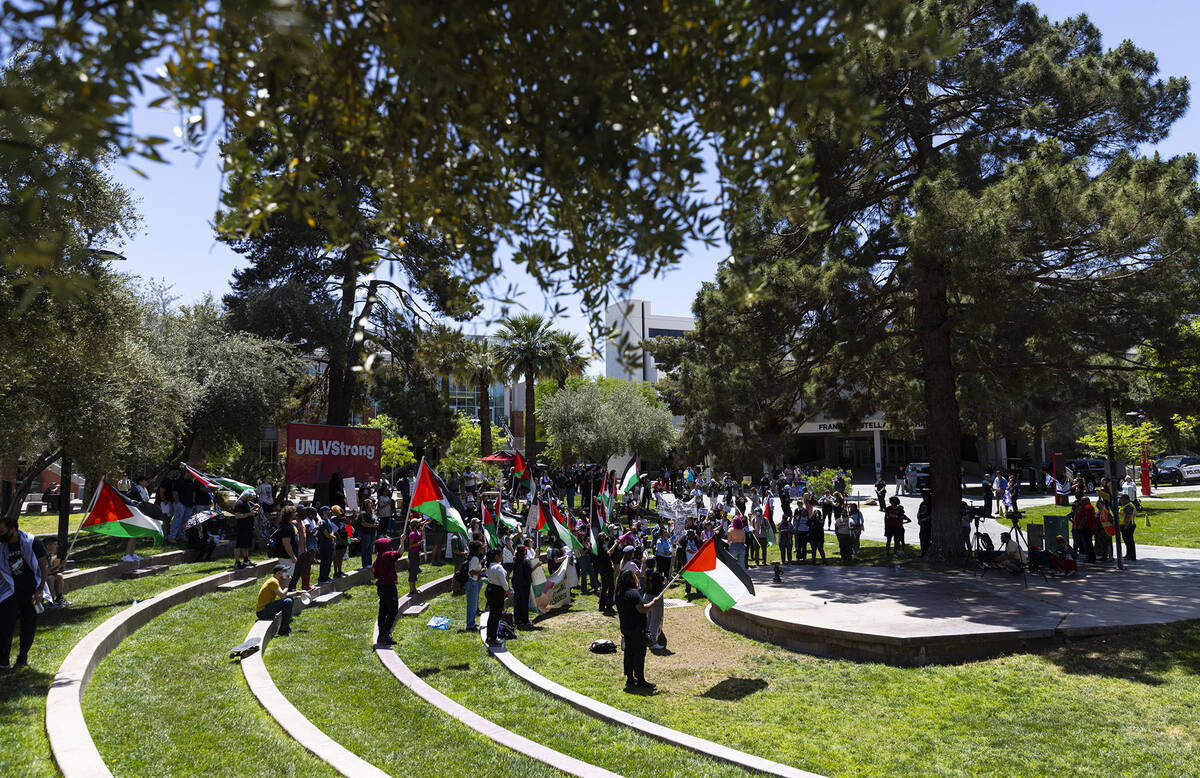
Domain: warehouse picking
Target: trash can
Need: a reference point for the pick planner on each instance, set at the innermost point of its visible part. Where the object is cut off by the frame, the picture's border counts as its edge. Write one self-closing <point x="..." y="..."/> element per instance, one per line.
<point x="1055" y="526"/>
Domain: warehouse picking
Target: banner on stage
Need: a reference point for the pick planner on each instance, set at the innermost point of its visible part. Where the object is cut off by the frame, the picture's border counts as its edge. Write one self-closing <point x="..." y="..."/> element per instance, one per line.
<point x="317" y="452"/>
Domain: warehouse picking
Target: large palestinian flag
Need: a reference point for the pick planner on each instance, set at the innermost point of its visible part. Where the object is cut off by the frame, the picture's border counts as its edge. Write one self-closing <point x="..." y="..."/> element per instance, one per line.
<point x="216" y="482"/>
<point x="430" y="500"/>
<point x="630" y="478"/>
<point x="537" y="519"/>
<point x="717" y="575"/>
<point x="112" y="513"/>
<point x="522" y="473"/>
<point x="562" y="528"/>
<point x="489" y="525"/>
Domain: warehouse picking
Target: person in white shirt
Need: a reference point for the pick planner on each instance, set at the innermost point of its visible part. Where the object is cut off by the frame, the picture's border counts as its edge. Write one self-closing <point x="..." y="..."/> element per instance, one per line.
<point x="474" y="580"/>
<point x="266" y="494"/>
<point x="495" y="593"/>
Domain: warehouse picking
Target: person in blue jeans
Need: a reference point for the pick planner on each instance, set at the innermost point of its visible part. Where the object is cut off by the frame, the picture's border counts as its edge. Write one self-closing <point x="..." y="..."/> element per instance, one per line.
<point x="274" y="600"/>
<point x="474" y="581"/>
<point x="368" y="531"/>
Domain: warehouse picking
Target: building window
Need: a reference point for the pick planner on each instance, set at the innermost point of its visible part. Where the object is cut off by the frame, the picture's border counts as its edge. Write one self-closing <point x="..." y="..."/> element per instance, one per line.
<point x="655" y="332"/>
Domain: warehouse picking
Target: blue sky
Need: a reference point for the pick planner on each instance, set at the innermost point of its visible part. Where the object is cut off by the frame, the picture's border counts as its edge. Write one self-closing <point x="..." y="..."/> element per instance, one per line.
<point x="178" y="200"/>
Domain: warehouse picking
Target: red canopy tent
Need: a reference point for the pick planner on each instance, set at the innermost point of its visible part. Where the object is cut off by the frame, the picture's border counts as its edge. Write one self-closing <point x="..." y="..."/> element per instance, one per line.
<point x="499" y="456"/>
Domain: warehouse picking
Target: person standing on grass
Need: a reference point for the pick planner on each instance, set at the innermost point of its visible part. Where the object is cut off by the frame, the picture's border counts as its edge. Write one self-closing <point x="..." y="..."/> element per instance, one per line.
<point x="800" y="533"/>
<point x="325" y="532"/>
<point x="522" y="584"/>
<point x="22" y="589"/>
<point x="384" y="510"/>
<point x="737" y="541"/>
<point x="604" y="567"/>
<point x="273" y="600"/>
<point x="244" y="511"/>
<point x="845" y="537"/>
<point x="474" y="567"/>
<point x="384" y="569"/>
<point x="857" y="524"/>
<point x="368" y="530"/>
<point x="633" y="629"/>
<point x="497" y="589"/>
<point x="924" y="523"/>
<point x="414" y="555"/>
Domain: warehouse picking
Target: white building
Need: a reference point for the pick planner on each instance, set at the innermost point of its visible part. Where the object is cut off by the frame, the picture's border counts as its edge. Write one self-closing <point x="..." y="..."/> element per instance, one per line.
<point x="633" y="321"/>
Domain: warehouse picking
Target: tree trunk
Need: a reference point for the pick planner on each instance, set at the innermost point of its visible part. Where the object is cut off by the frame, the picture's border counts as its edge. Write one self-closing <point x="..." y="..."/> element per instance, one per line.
<point x="446" y="389"/>
<point x="941" y="412"/>
<point x="485" y="420"/>
<point x="64" y="502"/>
<point x="342" y="380"/>
<point x="530" y="422"/>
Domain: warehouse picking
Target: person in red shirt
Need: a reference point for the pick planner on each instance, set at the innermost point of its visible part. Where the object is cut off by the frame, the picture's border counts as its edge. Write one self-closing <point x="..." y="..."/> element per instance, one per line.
<point x="414" y="555"/>
<point x="1083" y="521"/>
<point x="893" y="525"/>
<point x="384" y="569"/>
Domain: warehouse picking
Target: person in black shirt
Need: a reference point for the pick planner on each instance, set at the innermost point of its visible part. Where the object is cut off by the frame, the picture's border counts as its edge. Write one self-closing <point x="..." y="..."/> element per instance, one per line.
<point x="244" y="511"/>
<point x="22" y="589"/>
<point x="604" y="568"/>
<point x="632" y="613"/>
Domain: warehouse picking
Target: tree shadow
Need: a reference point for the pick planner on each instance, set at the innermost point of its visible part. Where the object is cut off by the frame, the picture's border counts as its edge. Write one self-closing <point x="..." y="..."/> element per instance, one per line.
<point x="734" y="689"/>
<point x="1146" y="656"/>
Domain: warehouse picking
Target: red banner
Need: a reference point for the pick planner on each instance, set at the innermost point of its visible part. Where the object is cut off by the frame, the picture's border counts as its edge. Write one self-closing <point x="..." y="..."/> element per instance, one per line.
<point x="317" y="452"/>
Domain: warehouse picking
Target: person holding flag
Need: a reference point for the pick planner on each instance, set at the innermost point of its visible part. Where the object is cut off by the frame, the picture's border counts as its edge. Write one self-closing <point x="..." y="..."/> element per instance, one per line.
<point x="603" y="562"/>
<point x="632" y="613"/>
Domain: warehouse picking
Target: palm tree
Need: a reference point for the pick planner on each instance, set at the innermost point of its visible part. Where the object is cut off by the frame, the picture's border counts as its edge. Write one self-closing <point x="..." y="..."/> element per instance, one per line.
<point x="481" y="369"/>
<point x="571" y="359"/>
<point x="527" y="350"/>
<point x="442" y="351"/>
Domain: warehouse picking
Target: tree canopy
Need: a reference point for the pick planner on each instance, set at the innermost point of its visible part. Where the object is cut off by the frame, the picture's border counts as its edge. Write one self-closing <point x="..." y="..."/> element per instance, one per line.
<point x="998" y="221"/>
<point x="593" y="419"/>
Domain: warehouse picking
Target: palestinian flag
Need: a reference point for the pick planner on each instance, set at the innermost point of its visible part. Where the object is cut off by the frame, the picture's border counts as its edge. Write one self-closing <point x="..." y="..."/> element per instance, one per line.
<point x="536" y="521"/>
<point x="521" y="472"/>
<point x="112" y="513"/>
<point x="512" y="521"/>
<point x="594" y="530"/>
<point x="606" y="499"/>
<point x="717" y="575"/>
<point x="215" y="482"/>
<point x="630" y="478"/>
<point x="430" y="500"/>
<point x="489" y="526"/>
<point x="562" y="528"/>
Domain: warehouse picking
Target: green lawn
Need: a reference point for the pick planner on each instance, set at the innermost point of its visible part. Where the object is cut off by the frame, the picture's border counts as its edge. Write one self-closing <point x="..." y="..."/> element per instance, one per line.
<point x="47" y="523"/>
<point x="23" y="692"/>
<point x="1115" y="706"/>
<point x="456" y="663"/>
<point x="168" y="701"/>
<point x="1159" y="523"/>
<point x="360" y="704"/>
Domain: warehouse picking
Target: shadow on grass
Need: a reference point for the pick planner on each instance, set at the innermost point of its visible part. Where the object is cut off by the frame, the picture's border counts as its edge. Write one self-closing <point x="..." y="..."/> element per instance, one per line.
<point x="1146" y="656"/>
<point x="19" y="684"/>
<point x="734" y="689"/>
<point x="426" y="672"/>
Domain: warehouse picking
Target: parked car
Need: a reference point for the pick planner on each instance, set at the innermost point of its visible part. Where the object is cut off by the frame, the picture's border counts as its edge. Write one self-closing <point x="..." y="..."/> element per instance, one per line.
<point x="916" y="477"/>
<point x="1177" y="468"/>
<point x="1092" y="470"/>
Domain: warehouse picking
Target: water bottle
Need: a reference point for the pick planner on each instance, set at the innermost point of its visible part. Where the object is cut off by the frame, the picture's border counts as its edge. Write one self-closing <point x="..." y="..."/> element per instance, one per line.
<point x="38" y="607"/>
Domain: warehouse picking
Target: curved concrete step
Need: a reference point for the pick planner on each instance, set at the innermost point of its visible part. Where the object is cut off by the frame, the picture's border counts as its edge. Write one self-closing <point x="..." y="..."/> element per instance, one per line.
<point x="600" y="710"/>
<point x="70" y="740"/>
<point x="493" y="732"/>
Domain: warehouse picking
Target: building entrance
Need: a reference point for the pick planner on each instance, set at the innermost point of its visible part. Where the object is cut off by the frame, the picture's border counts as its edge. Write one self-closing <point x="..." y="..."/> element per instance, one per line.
<point x="856" y="452"/>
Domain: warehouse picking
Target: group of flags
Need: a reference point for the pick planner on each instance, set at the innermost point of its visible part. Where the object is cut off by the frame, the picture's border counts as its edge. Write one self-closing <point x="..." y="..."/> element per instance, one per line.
<point x="712" y="570"/>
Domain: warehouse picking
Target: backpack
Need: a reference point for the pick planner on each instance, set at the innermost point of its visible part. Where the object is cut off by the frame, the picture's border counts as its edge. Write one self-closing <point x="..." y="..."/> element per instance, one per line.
<point x="504" y="630"/>
<point x="603" y="647"/>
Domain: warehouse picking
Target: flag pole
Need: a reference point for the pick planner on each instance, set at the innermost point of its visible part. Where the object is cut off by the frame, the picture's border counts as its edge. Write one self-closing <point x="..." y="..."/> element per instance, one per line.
<point x="408" y="513"/>
<point x="71" y="545"/>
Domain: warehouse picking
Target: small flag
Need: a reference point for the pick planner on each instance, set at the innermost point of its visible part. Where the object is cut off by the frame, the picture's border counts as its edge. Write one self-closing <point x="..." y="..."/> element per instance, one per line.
<point x="717" y="575"/>
<point x="489" y="525"/>
<point x="521" y="472"/>
<point x="594" y="530"/>
<point x="429" y="500"/>
<point x="112" y="513"/>
<point x="562" y="528"/>
<point x="536" y="521"/>
<point x="216" y="482"/>
<point x="630" y="478"/>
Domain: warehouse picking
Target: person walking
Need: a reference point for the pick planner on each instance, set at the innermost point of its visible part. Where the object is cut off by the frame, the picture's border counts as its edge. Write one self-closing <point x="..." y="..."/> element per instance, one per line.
<point x="632" y="611"/>
<point x="384" y="570"/>
<point x="23" y="589"/>
<point x="497" y="589"/>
